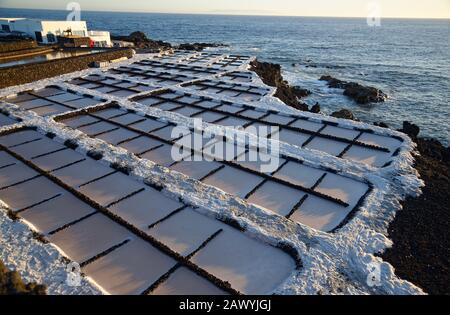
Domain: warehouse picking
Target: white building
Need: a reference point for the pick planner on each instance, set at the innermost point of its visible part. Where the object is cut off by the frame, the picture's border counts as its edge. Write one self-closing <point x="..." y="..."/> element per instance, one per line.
<point x="100" y="38"/>
<point x="46" y="32"/>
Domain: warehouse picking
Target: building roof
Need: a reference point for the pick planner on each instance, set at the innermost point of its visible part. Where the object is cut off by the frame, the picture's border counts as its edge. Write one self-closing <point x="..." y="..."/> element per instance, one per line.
<point x="11" y="19"/>
<point x="39" y="20"/>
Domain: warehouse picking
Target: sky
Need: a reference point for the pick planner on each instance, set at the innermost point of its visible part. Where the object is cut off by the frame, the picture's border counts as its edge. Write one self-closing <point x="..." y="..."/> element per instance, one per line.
<point x="342" y="8"/>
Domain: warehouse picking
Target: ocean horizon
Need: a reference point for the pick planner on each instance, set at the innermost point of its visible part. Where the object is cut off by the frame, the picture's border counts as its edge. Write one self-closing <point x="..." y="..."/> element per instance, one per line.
<point x="406" y="58"/>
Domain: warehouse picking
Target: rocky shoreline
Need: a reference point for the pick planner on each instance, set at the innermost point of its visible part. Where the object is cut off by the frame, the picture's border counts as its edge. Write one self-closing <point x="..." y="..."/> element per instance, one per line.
<point x="420" y="231"/>
<point x="144" y="44"/>
<point x="270" y="74"/>
<point x="360" y="93"/>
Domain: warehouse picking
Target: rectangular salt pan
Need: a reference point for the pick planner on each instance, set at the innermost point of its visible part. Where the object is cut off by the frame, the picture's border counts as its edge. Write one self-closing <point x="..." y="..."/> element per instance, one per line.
<point x="221" y="150"/>
<point x="84" y="102"/>
<point x="264" y="162"/>
<point x="276" y="197"/>
<point x="90" y="237"/>
<point x="56" y="213"/>
<point x="320" y="214"/>
<point x="186" y="282"/>
<point x="98" y="128"/>
<point x="37" y="148"/>
<point x="6" y="159"/>
<point x="48" y="91"/>
<point x="233" y="181"/>
<point x="185" y="231"/>
<point x="233" y="122"/>
<point x="116" y="136"/>
<point x="195" y="169"/>
<point x="127" y="119"/>
<point x="367" y="156"/>
<point x="19" y="137"/>
<point x="58" y="159"/>
<point x="82" y="172"/>
<point x="145" y="208"/>
<point x="299" y="174"/>
<point x="340" y="132"/>
<point x="148" y="125"/>
<point x="130" y="269"/>
<point x="292" y="137"/>
<point x="209" y="116"/>
<point x="29" y="193"/>
<point x="109" y="113"/>
<point x="326" y="145"/>
<point x="306" y="125"/>
<point x="250" y="113"/>
<point x="50" y="110"/>
<point x="77" y="121"/>
<point x="64" y="97"/>
<point x="342" y="188"/>
<point x="33" y="103"/>
<point x="5" y="120"/>
<point x="251" y="267"/>
<point x="278" y="119"/>
<point x="162" y="155"/>
<point x="385" y="142"/>
<point x="111" y="188"/>
<point x="140" y="144"/>
<point x="15" y="173"/>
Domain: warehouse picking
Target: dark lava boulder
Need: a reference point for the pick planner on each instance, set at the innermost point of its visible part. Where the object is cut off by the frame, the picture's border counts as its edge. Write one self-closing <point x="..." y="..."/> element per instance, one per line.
<point x="300" y="92"/>
<point x="141" y="41"/>
<point x="381" y="124"/>
<point x="270" y="74"/>
<point x="410" y="129"/>
<point x="333" y="82"/>
<point x="199" y="46"/>
<point x="360" y="93"/>
<point x="430" y="147"/>
<point x="434" y="148"/>
<point x="138" y="37"/>
<point x="344" y="114"/>
<point x="364" y="94"/>
<point x="315" y="109"/>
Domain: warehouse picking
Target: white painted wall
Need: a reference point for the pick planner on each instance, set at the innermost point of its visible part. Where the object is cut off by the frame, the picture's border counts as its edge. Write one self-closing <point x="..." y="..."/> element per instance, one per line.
<point x="46" y="28"/>
<point x="100" y="38"/>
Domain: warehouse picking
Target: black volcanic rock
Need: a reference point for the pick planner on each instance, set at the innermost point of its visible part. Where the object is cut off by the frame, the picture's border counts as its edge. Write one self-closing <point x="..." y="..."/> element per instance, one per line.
<point x="344" y="114"/>
<point x="381" y="124"/>
<point x="420" y="231"/>
<point x="410" y="129"/>
<point x="141" y="41"/>
<point x="300" y="92"/>
<point x="360" y="93"/>
<point x="333" y="82"/>
<point x="315" y="109"/>
<point x="199" y="46"/>
<point x="270" y="74"/>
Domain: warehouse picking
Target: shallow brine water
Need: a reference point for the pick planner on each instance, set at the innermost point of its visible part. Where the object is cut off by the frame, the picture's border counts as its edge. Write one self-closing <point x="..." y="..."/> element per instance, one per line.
<point x="46" y="57"/>
<point x="407" y="59"/>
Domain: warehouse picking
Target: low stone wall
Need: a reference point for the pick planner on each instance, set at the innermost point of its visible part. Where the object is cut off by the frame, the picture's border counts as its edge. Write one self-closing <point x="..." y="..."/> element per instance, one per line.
<point x="25" y="52"/>
<point x="22" y="74"/>
<point x="17" y="45"/>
